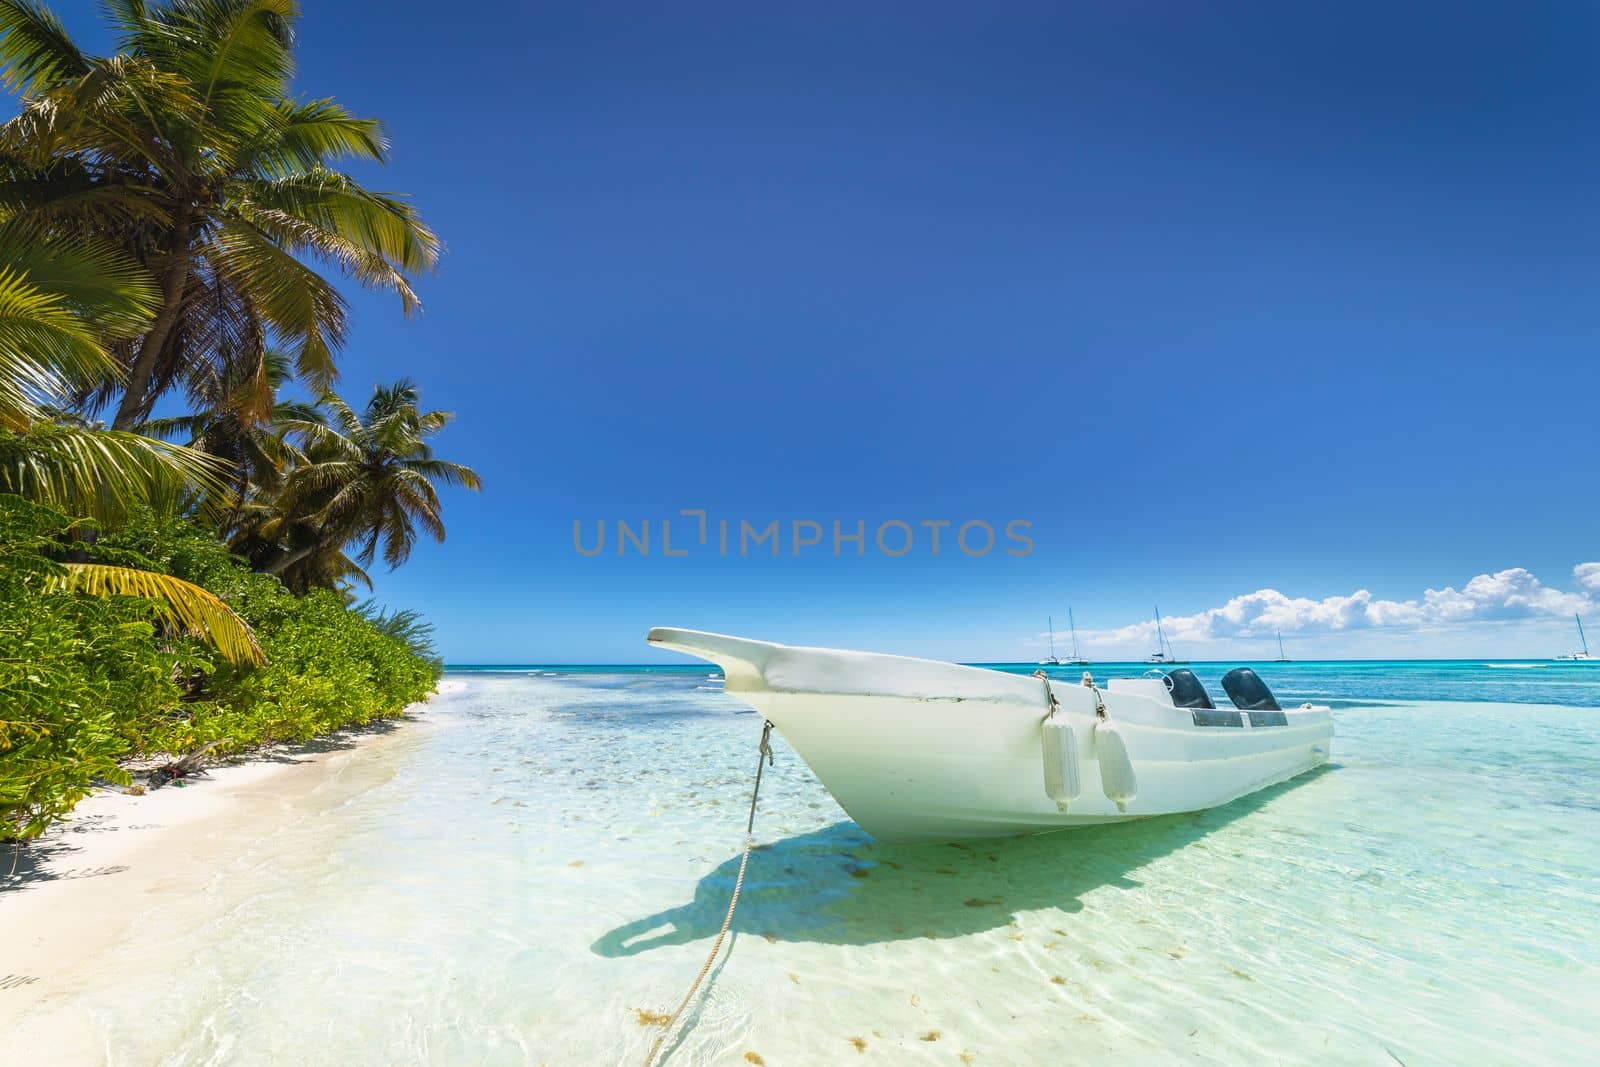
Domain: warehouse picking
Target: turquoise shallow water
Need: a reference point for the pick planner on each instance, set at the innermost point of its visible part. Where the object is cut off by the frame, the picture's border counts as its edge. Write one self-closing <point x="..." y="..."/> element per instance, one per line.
<point x="513" y="878"/>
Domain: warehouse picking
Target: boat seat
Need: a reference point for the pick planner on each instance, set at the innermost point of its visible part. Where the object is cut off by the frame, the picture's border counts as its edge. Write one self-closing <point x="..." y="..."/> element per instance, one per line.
<point x="1247" y="691"/>
<point x="1187" y="690"/>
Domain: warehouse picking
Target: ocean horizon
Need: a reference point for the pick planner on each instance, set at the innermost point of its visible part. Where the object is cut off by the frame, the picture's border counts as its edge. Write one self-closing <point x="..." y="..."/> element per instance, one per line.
<point x="1333" y="682"/>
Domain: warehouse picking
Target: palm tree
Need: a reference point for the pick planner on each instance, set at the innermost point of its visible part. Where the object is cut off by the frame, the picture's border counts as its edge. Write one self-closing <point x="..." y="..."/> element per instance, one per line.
<point x="292" y="547"/>
<point x="238" y="418"/>
<point x="186" y="148"/>
<point x="367" y="480"/>
<point x="62" y="304"/>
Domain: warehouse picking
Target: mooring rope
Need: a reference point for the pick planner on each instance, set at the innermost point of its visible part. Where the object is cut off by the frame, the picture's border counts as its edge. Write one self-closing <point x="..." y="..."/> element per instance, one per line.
<point x="763" y="759"/>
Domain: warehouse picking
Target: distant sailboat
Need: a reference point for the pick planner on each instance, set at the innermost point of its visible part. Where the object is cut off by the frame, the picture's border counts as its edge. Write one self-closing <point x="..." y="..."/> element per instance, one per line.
<point x="1076" y="659"/>
<point x="1283" y="657"/>
<point x="1579" y="656"/>
<point x="1051" y="661"/>
<point x="1163" y="652"/>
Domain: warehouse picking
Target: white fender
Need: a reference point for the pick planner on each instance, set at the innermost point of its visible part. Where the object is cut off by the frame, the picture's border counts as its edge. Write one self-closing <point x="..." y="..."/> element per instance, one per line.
<point x="1116" y="769"/>
<point x="1062" y="782"/>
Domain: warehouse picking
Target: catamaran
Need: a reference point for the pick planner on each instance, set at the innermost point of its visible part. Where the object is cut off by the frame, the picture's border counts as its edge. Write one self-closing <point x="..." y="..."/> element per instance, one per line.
<point x="1584" y="641"/>
<point x="918" y="750"/>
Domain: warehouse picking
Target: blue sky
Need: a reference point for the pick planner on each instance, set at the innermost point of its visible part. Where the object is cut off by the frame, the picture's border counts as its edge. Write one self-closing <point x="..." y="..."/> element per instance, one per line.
<point x="1218" y="300"/>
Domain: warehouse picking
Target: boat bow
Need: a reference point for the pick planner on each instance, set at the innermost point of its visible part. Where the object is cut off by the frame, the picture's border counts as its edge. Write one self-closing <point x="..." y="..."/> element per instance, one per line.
<point x="742" y="660"/>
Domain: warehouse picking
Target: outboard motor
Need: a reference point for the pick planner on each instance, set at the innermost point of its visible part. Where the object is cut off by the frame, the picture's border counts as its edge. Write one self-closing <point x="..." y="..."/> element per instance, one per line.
<point x="1247" y="691"/>
<point x="1187" y="690"/>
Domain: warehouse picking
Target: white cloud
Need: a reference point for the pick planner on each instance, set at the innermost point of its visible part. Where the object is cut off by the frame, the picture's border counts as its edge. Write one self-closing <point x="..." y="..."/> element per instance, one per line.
<point x="1588" y="576"/>
<point x="1512" y="594"/>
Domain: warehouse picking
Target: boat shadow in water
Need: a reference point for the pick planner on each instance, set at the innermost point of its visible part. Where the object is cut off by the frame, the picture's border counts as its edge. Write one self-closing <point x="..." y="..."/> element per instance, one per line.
<point x="839" y="886"/>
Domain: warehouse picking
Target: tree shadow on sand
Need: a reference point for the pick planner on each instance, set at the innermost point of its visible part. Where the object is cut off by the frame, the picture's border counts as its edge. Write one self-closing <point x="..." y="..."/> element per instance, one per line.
<point x="26" y="863"/>
<point x="341" y="740"/>
<point x="839" y="886"/>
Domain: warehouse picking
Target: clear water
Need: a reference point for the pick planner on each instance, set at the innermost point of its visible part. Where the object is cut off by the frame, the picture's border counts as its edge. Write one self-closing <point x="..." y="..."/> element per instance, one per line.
<point x="514" y="878"/>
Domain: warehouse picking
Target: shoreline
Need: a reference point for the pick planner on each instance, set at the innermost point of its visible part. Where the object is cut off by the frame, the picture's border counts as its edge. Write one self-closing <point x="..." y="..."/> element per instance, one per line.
<point x="73" y="892"/>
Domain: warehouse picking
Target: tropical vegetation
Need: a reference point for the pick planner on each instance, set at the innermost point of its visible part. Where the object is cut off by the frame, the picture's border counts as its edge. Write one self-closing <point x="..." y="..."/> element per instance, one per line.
<point x="183" y="578"/>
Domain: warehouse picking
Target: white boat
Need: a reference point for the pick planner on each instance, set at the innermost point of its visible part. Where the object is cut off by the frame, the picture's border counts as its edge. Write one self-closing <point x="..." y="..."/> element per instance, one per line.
<point x="918" y="750"/>
<point x="1584" y="654"/>
<point x="1051" y="661"/>
<point x="1283" y="657"/>
<point x="1163" y="652"/>
<point x="1076" y="659"/>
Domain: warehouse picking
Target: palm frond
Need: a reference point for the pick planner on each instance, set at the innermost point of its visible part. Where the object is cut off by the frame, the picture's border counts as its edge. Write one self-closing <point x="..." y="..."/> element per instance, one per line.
<point x="303" y="238"/>
<point x="174" y="426"/>
<point x="125" y="110"/>
<point x="43" y="346"/>
<point x="246" y="43"/>
<point x="234" y="52"/>
<point x="34" y="47"/>
<point x="344" y="417"/>
<point x="399" y="535"/>
<point x="303" y="136"/>
<point x="128" y="16"/>
<point x="46" y="202"/>
<point x="298" y="302"/>
<point x="189" y="608"/>
<point x="57" y="304"/>
<point x="441" y="470"/>
<point x="383" y="224"/>
<point x="91" y="279"/>
<point x="104" y="474"/>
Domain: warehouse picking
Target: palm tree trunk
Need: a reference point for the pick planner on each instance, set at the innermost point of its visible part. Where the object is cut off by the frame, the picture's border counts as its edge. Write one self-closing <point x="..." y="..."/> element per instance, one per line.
<point x="283" y="563"/>
<point x="135" y="403"/>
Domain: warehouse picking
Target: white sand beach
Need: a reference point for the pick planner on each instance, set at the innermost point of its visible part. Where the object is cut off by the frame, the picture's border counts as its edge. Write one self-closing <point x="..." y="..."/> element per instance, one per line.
<point x="86" y="882"/>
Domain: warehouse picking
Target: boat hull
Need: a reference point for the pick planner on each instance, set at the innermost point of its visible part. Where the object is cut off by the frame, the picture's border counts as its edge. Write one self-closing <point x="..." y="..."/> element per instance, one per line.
<point x="916" y="750"/>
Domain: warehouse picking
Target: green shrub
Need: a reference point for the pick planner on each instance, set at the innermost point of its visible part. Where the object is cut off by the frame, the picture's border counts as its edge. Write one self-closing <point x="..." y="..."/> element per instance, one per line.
<point x="73" y="671"/>
<point x="328" y="665"/>
<point x="87" y="682"/>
